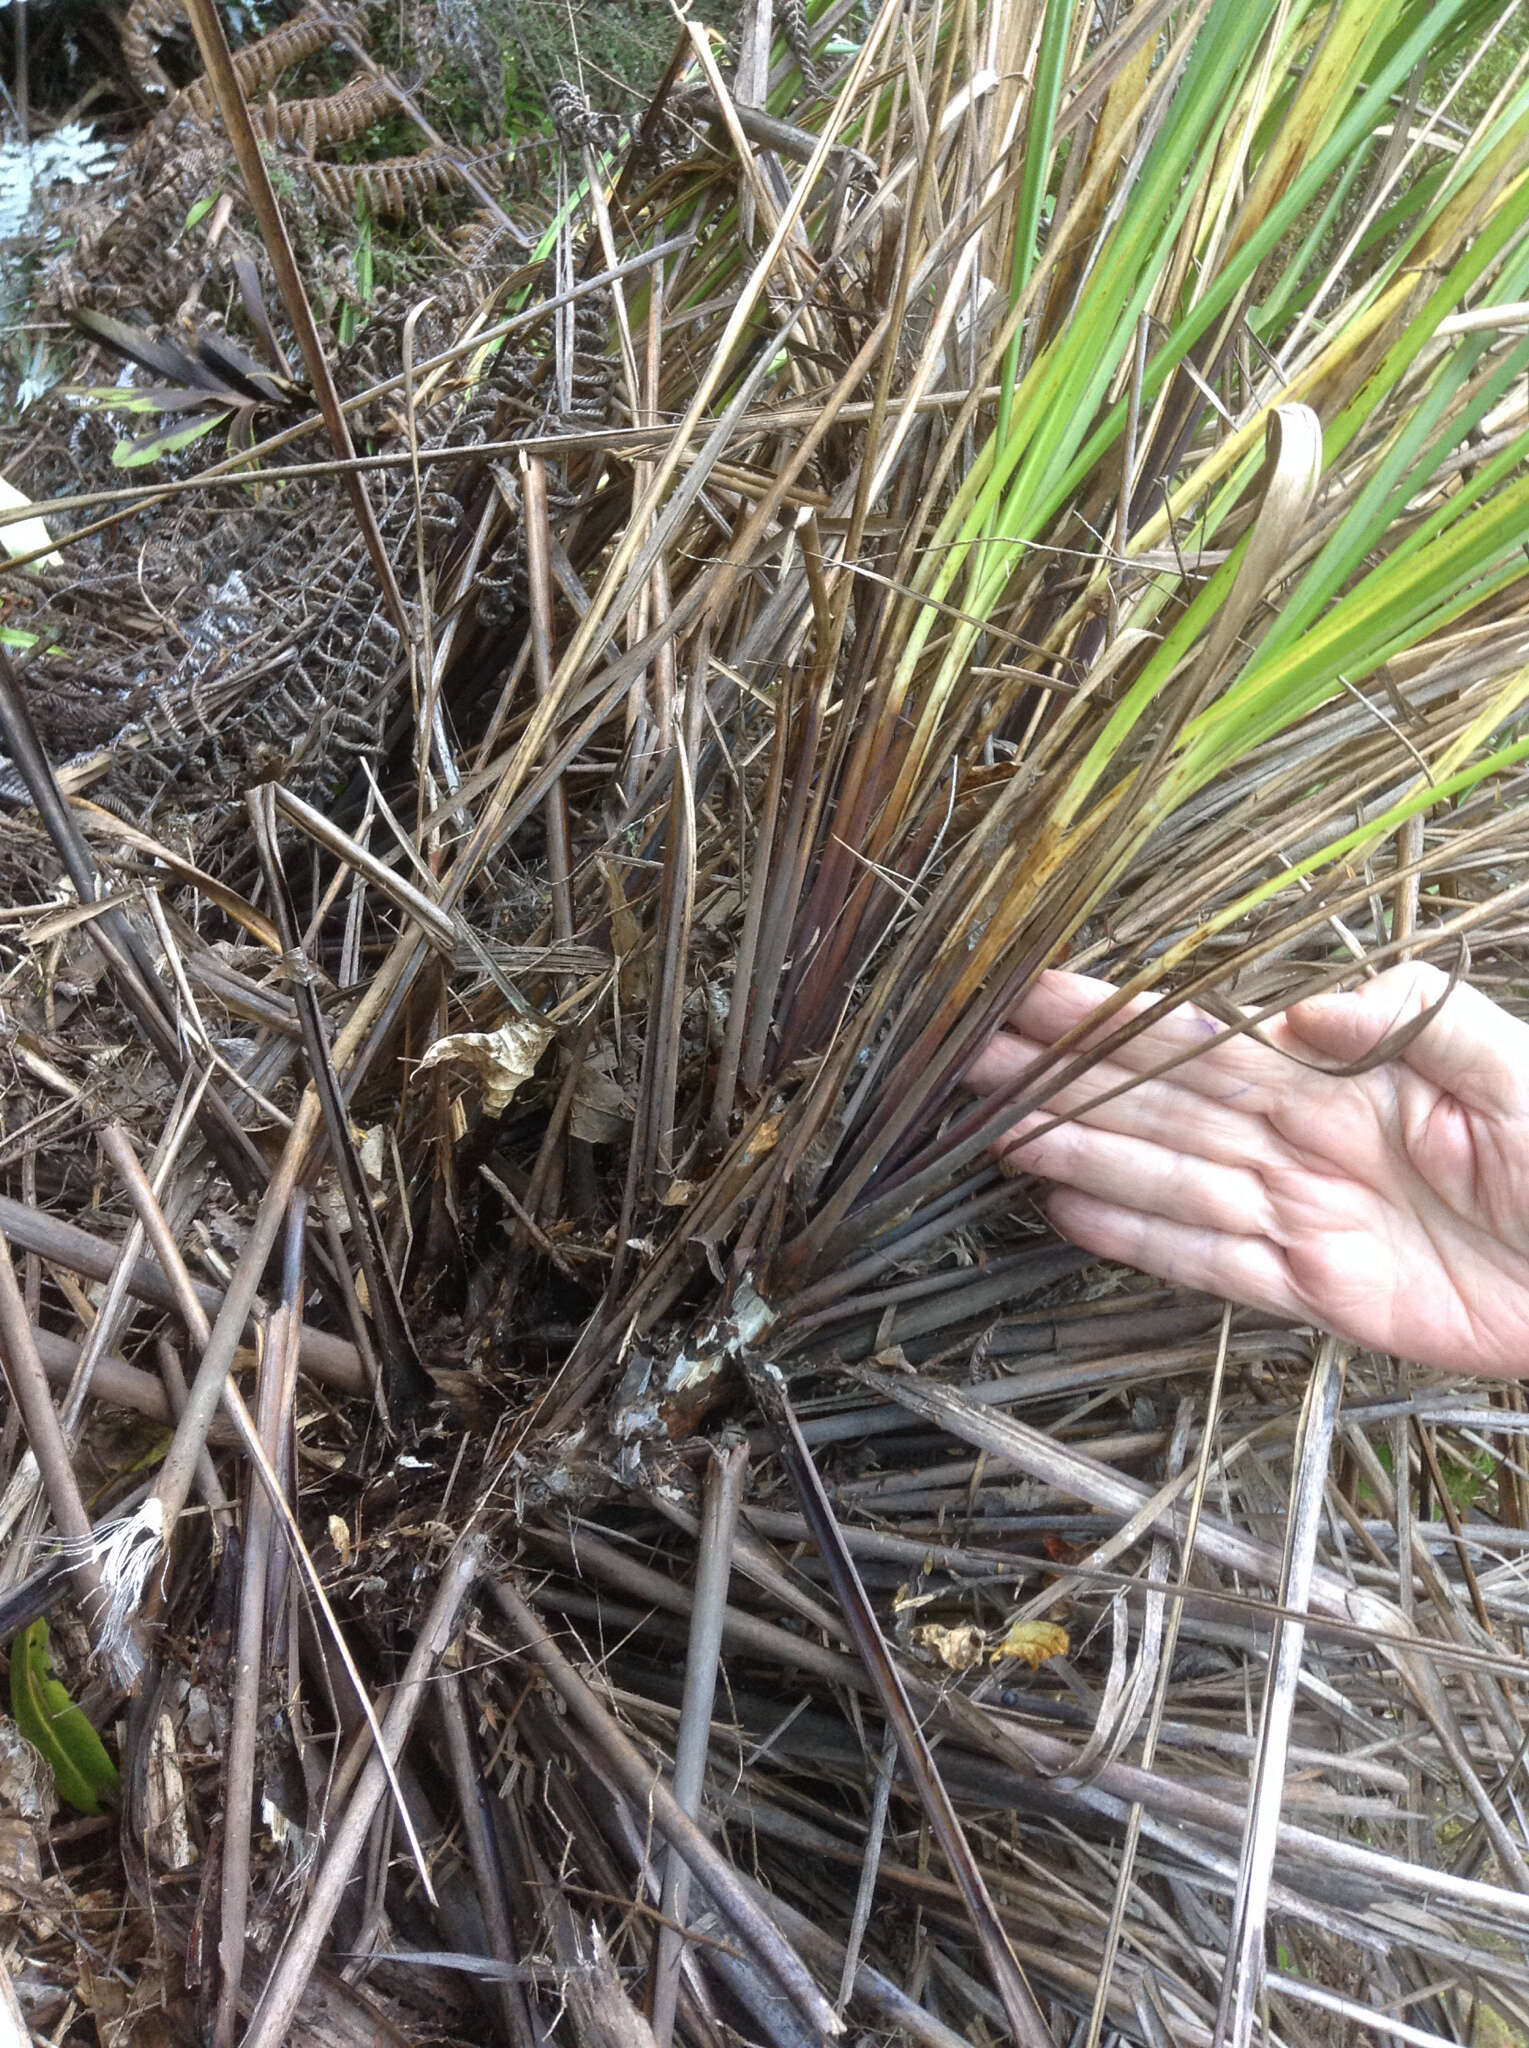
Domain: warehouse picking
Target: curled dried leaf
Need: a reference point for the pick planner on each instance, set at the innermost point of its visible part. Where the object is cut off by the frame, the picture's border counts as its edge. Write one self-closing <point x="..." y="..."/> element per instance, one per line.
<point x="502" y="1060"/>
<point x="958" y="1649"/>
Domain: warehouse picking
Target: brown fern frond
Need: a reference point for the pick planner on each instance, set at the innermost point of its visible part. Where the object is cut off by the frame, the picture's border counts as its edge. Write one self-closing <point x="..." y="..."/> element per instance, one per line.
<point x="389" y="187"/>
<point x="479" y="240"/>
<point x="330" y="118"/>
<point x="259" y="64"/>
<point x="392" y="185"/>
<point x="144" y="25"/>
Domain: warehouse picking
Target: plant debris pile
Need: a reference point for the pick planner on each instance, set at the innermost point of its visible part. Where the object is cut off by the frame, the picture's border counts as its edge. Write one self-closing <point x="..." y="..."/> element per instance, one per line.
<point x="569" y="685"/>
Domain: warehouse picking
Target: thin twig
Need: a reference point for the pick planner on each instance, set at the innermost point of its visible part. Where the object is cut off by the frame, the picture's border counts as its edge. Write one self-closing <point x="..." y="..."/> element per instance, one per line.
<point x="473" y="1797"/>
<point x="219" y="63"/>
<point x="279" y="2000"/>
<point x="1023" y="2014"/>
<point x="327" y="1357"/>
<point x="1242" y="1978"/>
<point x="239" y="1764"/>
<point x="29" y="1390"/>
<point x="865" y="1890"/>
<point x="650" y="1793"/>
<point x="725" y="1478"/>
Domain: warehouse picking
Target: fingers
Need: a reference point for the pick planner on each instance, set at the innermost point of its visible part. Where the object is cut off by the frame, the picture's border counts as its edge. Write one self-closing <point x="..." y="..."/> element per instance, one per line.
<point x="1238" y="1069"/>
<point x="1156" y="1110"/>
<point x="1472" y="1049"/>
<point x="1001" y="1064"/>
<point x="1238" y="1268"/>
<point x="1203" y="1193"/>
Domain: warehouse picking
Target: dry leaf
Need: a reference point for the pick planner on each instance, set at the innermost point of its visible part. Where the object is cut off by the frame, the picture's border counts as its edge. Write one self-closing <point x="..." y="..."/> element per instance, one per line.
<point x="958" y="1649"/>
<point x="601" y="1113"/>
<point x="626" y="937"/>
<point x="501" y="1059"/>
<point x="339" y="1536"/>
<point x="26" y="1784"/>
<point x="168" y="1830"/>
<point x="765" y="1139"/>
<point x="1032" y="1642"/>
<point x="14" y="2027"/>
<point x="20" y="1864"/>
<point x="372" y="1150"/>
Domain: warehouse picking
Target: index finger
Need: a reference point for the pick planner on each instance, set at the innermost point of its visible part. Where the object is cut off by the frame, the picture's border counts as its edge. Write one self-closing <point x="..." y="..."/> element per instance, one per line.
<point x="1239" y="1069"/>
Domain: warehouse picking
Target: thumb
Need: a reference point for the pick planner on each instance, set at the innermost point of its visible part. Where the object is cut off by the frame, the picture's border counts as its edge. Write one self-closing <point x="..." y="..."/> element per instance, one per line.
<point x="1471" y="1049"/>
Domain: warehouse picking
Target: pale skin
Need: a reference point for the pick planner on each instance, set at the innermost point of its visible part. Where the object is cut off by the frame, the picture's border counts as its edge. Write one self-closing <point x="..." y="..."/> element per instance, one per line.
<point x="1391" y="1206"/>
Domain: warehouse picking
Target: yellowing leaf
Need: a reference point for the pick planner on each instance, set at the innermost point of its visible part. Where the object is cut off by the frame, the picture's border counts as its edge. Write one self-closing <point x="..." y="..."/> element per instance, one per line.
<point x="168" y="441"/>
<point x="501" y="1059"/>
<point x="1032" y="1642"/>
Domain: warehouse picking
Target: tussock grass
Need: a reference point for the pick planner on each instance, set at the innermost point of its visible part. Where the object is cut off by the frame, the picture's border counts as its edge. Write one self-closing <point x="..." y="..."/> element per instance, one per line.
<point x="1058" y="495"/>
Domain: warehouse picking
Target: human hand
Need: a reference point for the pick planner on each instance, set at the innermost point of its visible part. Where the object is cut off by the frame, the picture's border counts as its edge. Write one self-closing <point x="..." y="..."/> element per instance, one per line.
<point x="1390" y="1206"/>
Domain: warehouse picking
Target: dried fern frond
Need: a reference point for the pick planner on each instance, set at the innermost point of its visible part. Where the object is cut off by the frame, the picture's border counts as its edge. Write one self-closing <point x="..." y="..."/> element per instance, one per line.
<point x="144" y="26"/>
<point x="260" y="64"/>
<point x="329" y="118"/>
<point x="390" y="186"/>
